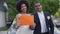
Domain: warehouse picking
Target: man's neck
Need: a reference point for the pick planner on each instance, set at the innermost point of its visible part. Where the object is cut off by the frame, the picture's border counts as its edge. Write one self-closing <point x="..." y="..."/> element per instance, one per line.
<point x="40" y="11"/>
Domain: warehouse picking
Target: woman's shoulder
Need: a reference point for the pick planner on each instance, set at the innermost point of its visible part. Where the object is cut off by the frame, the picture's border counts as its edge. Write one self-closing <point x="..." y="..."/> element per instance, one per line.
<point x="18" y="15"/>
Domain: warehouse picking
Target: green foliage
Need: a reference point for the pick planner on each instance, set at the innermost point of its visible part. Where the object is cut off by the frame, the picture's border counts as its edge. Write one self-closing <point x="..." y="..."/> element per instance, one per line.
<point x="53" y="6"/>
<point x="12" y="8"/>
<point x="4" y="28"/>
<point x="57" y="13"/>
<point x="48" y="5"/>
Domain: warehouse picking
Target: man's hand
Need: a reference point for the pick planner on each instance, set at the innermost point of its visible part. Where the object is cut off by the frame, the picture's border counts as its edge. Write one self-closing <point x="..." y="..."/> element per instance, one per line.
<point x="32" y="26"/>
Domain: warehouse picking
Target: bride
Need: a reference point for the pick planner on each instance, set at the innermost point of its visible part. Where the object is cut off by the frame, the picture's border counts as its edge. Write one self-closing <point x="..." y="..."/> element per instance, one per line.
<point x="22" y="7"/>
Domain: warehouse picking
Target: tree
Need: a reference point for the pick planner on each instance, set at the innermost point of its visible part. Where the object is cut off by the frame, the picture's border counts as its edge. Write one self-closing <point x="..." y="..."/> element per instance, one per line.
<point x="12" y="8"/>
<point x="48" y="5"/>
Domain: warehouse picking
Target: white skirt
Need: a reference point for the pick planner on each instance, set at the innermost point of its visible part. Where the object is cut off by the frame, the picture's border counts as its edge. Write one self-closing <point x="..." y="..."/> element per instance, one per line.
<point x="24" y="30"/>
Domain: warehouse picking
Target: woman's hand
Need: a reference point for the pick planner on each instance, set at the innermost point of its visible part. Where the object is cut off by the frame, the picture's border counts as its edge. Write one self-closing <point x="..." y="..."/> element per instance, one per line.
<point x="17" y="27"/>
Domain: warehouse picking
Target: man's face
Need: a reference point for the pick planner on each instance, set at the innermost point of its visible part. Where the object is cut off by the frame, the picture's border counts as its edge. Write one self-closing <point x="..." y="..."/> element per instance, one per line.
<point x="38" y="7"/>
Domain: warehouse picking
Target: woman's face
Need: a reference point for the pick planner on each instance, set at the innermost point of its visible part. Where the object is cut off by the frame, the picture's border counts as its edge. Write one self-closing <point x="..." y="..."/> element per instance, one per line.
<point x="23" y="8"/>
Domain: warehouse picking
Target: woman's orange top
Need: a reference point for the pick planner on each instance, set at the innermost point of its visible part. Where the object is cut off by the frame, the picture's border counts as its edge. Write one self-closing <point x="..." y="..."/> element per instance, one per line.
<point x="27" y="20"/>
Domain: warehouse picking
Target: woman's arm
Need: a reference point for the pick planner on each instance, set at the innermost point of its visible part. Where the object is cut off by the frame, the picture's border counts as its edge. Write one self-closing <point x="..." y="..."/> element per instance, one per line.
<point x="18" y="21"/>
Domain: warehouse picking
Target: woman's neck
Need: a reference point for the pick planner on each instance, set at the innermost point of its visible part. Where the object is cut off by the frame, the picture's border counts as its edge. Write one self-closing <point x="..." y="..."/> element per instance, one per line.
<point x="23" y="12"/>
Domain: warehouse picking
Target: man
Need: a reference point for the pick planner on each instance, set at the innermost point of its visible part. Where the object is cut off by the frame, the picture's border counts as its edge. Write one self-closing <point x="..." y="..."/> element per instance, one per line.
<point x="43" y="21"/>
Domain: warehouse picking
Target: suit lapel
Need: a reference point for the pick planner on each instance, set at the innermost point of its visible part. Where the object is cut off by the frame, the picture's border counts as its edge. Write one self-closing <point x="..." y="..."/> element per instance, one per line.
<point x="46" y="21"/>
<point x="45" y="16"/>
<point x="37" y="19"/>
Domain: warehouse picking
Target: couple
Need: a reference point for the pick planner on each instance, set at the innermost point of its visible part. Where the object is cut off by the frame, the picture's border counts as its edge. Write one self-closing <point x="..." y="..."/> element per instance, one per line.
<point x="43" y="22"/>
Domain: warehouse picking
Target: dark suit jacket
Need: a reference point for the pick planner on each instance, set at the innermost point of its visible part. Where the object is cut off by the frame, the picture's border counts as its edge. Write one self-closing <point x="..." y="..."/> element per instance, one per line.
<point x="49" y="23"/>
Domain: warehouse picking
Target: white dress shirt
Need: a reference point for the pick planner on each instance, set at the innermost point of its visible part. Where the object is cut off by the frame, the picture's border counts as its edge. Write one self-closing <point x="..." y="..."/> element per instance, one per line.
<point x="42" y="22"/>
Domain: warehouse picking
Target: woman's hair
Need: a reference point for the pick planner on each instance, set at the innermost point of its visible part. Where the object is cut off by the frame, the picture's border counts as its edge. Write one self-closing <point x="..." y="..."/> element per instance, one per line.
<point x="18" y="5"/>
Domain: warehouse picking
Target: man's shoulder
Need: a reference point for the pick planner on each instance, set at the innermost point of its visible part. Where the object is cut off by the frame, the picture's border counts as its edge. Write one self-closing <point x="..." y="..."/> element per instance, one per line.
<point x="35" y="12"/>
<point x="43" y="12"/>
<point x="47" y="13"/>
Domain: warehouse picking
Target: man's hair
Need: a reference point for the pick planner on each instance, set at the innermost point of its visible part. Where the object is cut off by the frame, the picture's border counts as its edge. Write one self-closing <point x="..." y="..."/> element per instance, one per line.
<point x="37" y="2"/>
<point x="18" y="5"/>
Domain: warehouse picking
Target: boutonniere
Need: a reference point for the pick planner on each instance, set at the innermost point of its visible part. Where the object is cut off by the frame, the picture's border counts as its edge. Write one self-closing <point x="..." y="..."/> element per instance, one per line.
<point x="48" y="17"/>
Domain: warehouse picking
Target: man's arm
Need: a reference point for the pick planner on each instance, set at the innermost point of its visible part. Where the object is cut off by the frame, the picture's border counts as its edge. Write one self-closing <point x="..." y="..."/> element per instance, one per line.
<point x="51" y="25"/>
<point x="32" y="27"/>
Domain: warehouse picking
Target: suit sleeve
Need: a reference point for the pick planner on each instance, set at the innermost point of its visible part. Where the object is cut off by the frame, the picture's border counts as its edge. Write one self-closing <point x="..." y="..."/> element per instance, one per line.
<point x="51" y="25"/>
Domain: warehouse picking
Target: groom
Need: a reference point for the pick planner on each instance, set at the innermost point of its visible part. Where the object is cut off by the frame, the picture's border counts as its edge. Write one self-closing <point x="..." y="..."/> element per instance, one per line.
<point x="43" y="21"/>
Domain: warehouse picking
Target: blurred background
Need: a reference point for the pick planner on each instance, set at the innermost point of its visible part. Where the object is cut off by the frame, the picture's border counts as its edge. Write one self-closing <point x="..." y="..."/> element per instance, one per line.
<point x="52" y="6"/>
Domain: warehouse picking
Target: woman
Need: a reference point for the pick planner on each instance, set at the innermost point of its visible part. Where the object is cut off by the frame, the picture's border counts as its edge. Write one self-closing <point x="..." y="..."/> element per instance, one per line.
<point x="22" y="7"/>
